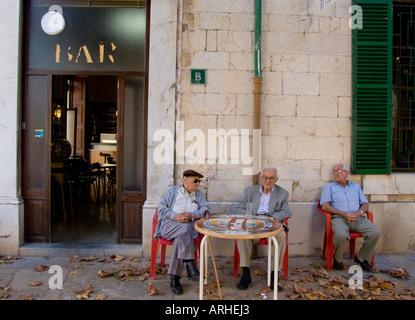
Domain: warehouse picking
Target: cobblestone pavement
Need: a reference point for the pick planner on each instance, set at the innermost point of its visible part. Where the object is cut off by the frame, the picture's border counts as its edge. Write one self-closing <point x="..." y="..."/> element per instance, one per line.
<point x="127" y="278"/>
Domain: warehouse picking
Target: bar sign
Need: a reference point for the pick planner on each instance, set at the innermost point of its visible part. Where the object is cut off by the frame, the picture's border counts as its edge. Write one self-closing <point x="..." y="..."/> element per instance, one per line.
<point x="198" y="76"/>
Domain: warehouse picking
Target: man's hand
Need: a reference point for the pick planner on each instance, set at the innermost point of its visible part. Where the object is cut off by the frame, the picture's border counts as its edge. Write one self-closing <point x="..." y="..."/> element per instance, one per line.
<point x="184" y="217"/>
<point x="354" y="216"/>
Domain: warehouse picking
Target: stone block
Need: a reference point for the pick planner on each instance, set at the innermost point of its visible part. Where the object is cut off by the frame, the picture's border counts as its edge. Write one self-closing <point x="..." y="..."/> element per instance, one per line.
<point x="301" y="83"/>
<point x="317" y="106"/>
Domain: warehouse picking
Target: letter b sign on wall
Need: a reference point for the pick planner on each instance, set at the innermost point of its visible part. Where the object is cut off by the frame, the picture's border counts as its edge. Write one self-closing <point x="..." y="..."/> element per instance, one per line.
<point x="198" y="76"/>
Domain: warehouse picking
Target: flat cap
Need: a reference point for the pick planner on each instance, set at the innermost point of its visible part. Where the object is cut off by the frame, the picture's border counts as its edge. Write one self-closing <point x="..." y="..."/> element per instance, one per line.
<point x="192" y="173"/>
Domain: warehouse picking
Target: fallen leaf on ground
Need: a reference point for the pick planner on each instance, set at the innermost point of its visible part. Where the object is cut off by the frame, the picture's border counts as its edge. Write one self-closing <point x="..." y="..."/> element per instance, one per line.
<point x="399" y="273"/>
<point x="100" y="297"/>
<point x="27" y="296"/>
<point x="134" y="259"/>
<point x="40" y="268"/>
<point x="117" y="257"/>
<point x="36" y="284"/>
<point x="298" y="271"/>
<point x="260" y="272"/>
<point x="84" y="293"/>
<point x="265" y="289"/>
<point x="153" y="290"/>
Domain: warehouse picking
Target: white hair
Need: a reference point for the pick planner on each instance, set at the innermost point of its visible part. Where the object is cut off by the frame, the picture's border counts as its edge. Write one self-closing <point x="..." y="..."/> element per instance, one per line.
<point x="270" y="168"/>
<point x="345" y="166"/>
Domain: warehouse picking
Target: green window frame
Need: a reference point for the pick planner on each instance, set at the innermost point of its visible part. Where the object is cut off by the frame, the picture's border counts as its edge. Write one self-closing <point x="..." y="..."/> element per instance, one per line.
<point x="372" y="89"/>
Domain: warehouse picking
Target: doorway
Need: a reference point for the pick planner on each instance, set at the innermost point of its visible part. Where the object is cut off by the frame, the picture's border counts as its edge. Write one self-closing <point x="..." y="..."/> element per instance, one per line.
<point x="94" y="68"/>
<point x="84" y="113"/>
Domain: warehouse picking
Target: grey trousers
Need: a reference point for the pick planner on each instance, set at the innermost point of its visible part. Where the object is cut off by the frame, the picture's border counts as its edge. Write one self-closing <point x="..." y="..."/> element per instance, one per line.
<point x="245" y="250"/>
<point x="183" y="235"/>
<point x="341" y="228"/>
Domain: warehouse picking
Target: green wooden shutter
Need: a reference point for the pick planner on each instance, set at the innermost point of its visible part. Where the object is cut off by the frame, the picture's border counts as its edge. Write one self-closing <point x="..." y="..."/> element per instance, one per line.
<point x="372" y="89"/>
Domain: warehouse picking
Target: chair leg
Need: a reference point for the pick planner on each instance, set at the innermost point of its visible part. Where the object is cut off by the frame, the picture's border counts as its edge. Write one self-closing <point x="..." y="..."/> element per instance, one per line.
<point x="235" y="261"/>
<point x="330" y="254"/>
<point x="154" y="251"/>
<point x="352" y="244"/>
<point x="323" y="253"/>
<point x="285" y="263"/>
<point x="163" y="255"/>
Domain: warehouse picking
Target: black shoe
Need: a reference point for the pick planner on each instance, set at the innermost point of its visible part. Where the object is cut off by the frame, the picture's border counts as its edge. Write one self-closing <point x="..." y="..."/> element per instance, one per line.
<point x="192" y="272"/>
<point x="272" y="283"/>
<point x="338" y="265"/>
<point x="244" y="282"/>
<point x="176" y="286"/>
<point x="365" y="265"/>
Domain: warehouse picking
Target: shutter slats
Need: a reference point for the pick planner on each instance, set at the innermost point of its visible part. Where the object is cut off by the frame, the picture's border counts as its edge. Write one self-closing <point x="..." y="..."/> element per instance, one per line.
<point x="372" y="89"/>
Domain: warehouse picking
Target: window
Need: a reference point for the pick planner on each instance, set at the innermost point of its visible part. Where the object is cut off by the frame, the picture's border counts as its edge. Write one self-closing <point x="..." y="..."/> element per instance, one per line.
<point x="383" y="88"/>
<point x="372" y="89"/>
<point x="403" y="97"/>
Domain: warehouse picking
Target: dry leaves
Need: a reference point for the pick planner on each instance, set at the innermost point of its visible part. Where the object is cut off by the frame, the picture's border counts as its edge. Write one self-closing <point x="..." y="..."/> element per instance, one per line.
<point x="8" y="259"/>
<point x="127" y="272"/>
<point x="27" y="296"/>
<point x="210" y="291"/>
<point x="40" y="268"/>
<point x="35" y="284"/>
<point x="84" y="294"/>
<point x="5" y="294"/>
<point x="319" y="285"/>
<point x="399" y="273"/>
<point x="152" y="290"/>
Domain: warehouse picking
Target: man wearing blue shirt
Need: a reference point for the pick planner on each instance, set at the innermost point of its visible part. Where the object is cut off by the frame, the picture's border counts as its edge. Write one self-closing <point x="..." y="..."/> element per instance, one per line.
<point x="346" y="202"/>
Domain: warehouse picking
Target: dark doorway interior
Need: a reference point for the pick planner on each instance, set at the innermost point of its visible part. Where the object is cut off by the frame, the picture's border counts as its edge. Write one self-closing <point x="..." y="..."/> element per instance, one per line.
<point x="83" y="184"/>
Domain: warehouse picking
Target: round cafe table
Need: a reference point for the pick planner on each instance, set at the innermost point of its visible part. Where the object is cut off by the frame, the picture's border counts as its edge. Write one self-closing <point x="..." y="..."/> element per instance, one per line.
<point x="239" y="228"/>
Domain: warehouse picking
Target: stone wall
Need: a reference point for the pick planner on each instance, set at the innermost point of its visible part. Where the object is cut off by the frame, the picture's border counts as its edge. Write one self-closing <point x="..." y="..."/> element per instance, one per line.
<point x="306" y="100"/>
<point x="305" y="117"/>
<point x="11" y="203"/>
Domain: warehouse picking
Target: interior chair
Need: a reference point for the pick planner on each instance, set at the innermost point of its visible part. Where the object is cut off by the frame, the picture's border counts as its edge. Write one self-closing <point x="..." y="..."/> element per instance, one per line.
<point x="59" y="174"/>
<point x="328" y="244"/>
<point x="155" y="244"/>
<point x="262" y="241"/>
<point x="111" y="183"/>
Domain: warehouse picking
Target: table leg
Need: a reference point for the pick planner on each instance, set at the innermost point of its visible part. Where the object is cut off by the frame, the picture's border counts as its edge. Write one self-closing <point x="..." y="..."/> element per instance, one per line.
<point x="203" y="264"/>
<point x="216" y="271"/>
<point x="269" y="263"/>
<point x="275" y="266"/>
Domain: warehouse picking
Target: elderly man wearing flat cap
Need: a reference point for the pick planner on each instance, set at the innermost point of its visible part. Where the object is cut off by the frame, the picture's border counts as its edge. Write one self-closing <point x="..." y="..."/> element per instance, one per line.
<point x="178" y="209"/>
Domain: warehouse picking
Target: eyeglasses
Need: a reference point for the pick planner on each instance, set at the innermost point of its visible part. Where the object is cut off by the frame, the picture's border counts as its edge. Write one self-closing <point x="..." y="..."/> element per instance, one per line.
<point x="268" y="178"/>
<point x="339" y="171"/>
<point x="197" y="181"/>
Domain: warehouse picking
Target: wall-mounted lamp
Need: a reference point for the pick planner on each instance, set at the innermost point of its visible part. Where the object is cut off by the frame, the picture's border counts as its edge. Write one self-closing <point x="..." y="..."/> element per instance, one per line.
<point x="58" y="112"/>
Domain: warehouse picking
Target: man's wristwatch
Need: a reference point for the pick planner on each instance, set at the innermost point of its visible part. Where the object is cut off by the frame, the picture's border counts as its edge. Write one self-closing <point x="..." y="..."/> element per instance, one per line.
<point x="361" y="212"/>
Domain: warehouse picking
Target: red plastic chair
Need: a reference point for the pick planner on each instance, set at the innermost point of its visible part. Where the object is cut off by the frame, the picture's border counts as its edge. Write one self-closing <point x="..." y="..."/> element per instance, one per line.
<point x="155" y="244"/>
<point x="328" y="244"/>
<point x="262" y="241"/>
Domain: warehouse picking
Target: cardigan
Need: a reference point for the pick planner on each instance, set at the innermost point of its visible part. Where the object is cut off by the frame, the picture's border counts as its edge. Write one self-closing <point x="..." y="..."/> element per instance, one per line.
<point x="166" y="205"/>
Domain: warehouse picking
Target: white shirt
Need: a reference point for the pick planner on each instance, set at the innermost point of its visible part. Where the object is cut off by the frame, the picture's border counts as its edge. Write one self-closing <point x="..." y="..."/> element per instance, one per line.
<point x="264" y="201"/>
<point x="185" y="201"/>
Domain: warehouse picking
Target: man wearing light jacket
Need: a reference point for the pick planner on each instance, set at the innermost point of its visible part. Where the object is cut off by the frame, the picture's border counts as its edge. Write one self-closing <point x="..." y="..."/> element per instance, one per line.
<point x="178" y="210"/>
